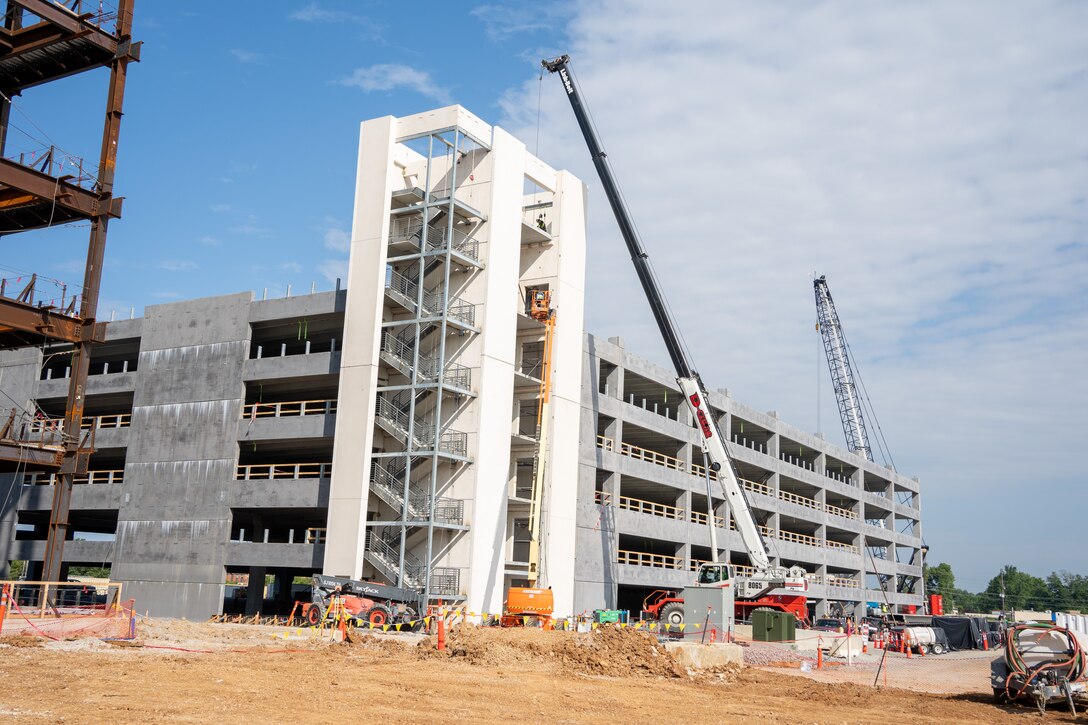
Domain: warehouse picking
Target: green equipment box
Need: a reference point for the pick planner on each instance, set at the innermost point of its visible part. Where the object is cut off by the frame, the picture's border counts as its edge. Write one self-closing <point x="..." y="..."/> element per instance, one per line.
<point x="771" y="625"/>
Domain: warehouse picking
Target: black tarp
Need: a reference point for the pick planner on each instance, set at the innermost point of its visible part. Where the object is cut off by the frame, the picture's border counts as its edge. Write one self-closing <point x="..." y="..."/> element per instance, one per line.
<point x="962" y="632"/>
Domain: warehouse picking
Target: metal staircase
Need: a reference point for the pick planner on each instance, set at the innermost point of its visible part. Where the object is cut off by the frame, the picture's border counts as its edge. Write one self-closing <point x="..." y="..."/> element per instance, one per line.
<point x="389" y="486"/>
<point x="382" y="551"/>
<point x="398" y="353"/>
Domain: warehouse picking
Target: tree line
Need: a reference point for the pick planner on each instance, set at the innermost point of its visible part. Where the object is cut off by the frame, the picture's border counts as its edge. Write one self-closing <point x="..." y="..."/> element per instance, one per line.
<point x="1061" y="591"/>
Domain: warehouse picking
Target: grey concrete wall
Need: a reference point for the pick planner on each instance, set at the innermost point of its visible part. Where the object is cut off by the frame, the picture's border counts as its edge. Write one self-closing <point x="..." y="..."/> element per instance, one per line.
<point x="594" y="561"/>
<point x="19" y="371"/>
<point x="174" y="521"/>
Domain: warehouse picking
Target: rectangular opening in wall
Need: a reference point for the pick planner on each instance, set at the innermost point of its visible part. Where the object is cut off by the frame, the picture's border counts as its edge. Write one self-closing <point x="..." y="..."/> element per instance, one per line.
<point x="290" y="397"/>
<point x="798" y="454"/>
<point x="650" y="395"/>
<point x="519" y="552"/>
<point x="607" y="378"/>
<point x="643" y="551"/>
<point x="651" y="499"/>
<point x="838" y="470"/>
<point x="298" y="458"/>
<point x="748" y="434"/>
<point x="296" y="336"/>
<point x="652" y="447"/>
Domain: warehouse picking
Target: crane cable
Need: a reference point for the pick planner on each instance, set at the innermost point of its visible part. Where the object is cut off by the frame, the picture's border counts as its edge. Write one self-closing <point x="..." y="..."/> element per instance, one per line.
<point x="649" y="262"/>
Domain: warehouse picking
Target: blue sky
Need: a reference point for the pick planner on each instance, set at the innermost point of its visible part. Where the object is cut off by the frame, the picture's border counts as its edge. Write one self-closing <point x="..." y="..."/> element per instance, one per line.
<point x="930" y="158"/>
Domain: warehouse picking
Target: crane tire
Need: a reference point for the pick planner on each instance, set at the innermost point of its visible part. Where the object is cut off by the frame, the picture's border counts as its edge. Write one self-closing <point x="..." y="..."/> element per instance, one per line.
<point x="672" y="614"/>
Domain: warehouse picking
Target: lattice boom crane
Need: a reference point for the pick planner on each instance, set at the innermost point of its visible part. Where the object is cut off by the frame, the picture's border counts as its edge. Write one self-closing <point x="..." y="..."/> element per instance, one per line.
<point x="842" y="375"/>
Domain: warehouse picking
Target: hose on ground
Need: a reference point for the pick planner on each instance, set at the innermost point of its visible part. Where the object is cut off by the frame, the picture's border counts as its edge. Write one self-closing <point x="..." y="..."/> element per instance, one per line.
<point x="1071" y="668"/>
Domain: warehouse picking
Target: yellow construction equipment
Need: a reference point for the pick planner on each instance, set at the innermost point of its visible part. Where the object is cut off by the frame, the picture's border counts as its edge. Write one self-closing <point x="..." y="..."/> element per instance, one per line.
<point x="540" y="309"/>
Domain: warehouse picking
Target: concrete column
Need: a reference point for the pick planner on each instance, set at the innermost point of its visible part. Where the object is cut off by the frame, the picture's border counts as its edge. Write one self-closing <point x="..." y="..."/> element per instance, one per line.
<point x="612" y="486"/>
<point x="255" y="591"/>
<point x="283" y="591"/>
<point x="19" y="372"/>
<point x="683" y="502"/>
<point x="351" y="457"/>
<point x="498" y="319"/>
<point x="570" y="195"/>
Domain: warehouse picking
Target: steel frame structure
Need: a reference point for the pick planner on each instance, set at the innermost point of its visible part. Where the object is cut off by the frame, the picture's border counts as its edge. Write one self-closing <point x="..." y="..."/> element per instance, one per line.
<point x="427" y="247"/>
<point x="42" y="41"/>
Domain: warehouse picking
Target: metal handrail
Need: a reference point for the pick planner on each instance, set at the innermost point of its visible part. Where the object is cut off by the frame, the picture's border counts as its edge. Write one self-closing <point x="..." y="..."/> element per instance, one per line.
<point x="455" y="374"/>
<point x="445" y="580"/>
<point x="389" y="554"/>
<point x="410" y="229"/>
<point x="463" y="311"/>
<point x="397" y="282"/>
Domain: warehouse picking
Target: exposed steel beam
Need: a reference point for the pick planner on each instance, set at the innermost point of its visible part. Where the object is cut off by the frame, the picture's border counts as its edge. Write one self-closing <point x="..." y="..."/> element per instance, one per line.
<point x="64" y="19"/>
<point x="23" y="456"/>
<point x="48" y="322"/>
<point x="24" y="181"/>
<point x="76" y="455"/>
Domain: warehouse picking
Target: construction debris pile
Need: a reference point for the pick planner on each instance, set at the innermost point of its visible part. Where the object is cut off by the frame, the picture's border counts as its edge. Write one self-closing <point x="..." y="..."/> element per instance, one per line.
<point x="609" y="652"/>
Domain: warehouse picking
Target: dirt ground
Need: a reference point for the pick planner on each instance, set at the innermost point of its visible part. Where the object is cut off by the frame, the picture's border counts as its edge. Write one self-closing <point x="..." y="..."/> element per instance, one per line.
<point x="254" y="674"/>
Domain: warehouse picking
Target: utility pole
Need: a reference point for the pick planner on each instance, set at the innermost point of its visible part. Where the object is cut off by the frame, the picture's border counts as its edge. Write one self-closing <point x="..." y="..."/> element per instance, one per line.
<point x="1002" y="591"/>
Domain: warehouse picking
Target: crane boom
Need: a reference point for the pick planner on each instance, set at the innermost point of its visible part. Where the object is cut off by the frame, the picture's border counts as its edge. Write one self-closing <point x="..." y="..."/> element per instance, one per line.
<point x="690" y="382"/>
<point x="842" y="374"/>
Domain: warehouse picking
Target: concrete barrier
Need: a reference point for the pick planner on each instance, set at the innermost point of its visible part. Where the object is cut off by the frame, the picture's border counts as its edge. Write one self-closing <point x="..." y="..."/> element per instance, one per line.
<point x="701" y="656"/>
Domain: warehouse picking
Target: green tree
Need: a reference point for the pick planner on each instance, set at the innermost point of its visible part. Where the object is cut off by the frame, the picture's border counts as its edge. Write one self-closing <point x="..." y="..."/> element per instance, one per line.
<point x="1068" y="590"/>
<point x="1022" y="590"/>
<point x="16" y="569"/>
<point x="939" y="579"/>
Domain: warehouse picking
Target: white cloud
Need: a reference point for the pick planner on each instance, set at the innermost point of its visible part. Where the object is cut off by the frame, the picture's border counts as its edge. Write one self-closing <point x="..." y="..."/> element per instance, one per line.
<point x="337" y="240"/>
<point x="251" y="230"/>
<point x="314" y="13"/>
<point x="391" y="76"/>
<point x="248" y="57"/>
<point x="502" y="21"/>
<point x="294" y="267"/>
<point x="208" y="241"/>
<point x="220" y="208"/>
<point x="929" y="158"/>
<point x="178" y="265"/>
<point x="334" y="269"/>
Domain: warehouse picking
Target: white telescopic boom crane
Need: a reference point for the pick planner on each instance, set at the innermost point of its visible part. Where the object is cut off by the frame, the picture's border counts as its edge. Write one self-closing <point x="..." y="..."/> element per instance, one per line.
<point x="690" y="382"/>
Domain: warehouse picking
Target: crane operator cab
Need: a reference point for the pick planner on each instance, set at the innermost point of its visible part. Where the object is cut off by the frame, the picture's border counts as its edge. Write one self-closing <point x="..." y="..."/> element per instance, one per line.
<point x="714" y="573"/>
